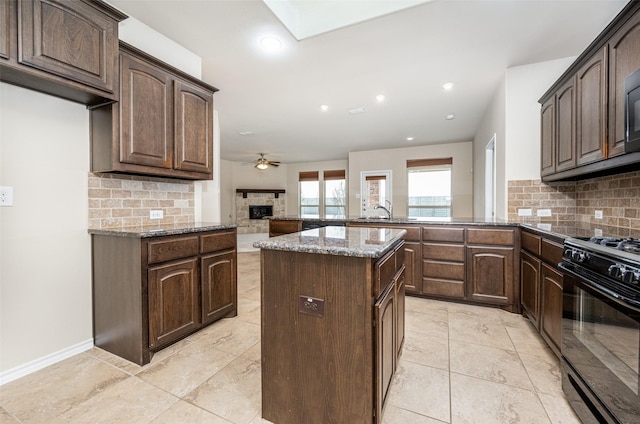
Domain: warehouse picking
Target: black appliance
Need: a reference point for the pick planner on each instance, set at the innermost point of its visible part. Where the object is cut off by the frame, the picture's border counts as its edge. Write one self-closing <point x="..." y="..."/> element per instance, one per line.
<point x="632" y="112"/>
<point x="601" y="328"/>
<point x="260" y="211"/>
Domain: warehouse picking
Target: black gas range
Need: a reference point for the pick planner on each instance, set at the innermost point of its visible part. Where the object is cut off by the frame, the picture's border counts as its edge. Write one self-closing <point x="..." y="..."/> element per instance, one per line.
<point x="601" y="328"/>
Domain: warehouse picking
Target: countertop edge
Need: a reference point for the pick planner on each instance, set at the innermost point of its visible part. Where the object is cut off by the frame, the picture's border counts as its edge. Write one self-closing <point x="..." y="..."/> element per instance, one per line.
<point x="297" y="247"/>
<point x="160" y="232"/>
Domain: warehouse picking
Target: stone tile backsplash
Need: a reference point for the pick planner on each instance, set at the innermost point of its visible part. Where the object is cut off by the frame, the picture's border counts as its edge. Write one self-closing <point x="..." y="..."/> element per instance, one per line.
<point x="617" y="196"/>
<point x="117" y="201"/>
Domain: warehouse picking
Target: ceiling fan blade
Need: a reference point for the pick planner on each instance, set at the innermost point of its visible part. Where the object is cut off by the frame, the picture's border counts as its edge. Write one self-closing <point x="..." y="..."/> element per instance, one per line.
<point x="276" y="164"/>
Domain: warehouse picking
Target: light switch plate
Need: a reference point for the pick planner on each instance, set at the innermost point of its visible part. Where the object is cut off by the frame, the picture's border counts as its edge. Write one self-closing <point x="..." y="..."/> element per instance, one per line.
<point x="598" y="215"/>
<point x="6" y="196"/>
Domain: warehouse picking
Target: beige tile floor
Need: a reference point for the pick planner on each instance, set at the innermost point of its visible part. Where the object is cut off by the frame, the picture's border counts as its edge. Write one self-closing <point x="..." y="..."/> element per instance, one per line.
<point x="460" y="364"/>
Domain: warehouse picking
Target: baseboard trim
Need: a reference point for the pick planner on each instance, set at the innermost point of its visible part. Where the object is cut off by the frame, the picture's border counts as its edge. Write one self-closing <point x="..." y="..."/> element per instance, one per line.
<point x="43" y="362"/>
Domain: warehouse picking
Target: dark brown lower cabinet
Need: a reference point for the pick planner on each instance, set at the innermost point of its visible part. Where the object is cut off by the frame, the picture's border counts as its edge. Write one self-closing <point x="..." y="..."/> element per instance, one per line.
<point x="530" y="287"/>
<point x="219" y="285"/>
<point x="385" y="322"/>
<point x="149" y="292"/>
<point x="551" y="319"/>
<point x="173" y="301"/>
<point x="491" y="274"/>
<point x="541" y="285"/>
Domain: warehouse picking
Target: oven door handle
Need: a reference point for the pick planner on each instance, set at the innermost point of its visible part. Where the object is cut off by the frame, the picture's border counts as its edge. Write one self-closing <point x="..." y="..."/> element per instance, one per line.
<point x="604" y="291"/>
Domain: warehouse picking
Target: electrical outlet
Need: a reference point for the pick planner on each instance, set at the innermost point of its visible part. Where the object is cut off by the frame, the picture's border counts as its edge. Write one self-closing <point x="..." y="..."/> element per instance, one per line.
<point x="524" y="212"/>
<point x="157" y="214"/>
<point x="598" y="215"/>
<point x="6" y="196"/>
<point x="598" y="232"/>
<point x="544" y="212"/>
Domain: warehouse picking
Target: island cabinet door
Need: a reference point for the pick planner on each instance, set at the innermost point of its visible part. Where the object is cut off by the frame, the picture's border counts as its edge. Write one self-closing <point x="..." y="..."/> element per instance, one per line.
<point x="218" y="286"/>
<point x="173" y="301"/>
<point x="400" y="287"/>
<point x="385" y="316"/>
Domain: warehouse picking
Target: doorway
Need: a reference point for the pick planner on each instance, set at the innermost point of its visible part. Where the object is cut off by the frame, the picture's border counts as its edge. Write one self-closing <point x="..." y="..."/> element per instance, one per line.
<point x="490" y="179"/>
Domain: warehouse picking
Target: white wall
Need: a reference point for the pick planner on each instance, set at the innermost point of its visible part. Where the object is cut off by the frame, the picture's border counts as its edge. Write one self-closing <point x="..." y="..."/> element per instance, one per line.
<point x="396" y="161"/>
<point x="514" y="116"/>
<point x="45" y="250"/>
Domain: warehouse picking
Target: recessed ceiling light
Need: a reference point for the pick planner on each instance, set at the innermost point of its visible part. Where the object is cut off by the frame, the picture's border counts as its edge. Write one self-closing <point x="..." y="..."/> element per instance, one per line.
<point x="447" y="86"/>
<point x="380" y="98"/>
<point x="324" y="108"/>
<point x="409" y="138"/>
<point x="247" y="132"/>
<point x="271" y="44"/>
<point x="450" y="116"/>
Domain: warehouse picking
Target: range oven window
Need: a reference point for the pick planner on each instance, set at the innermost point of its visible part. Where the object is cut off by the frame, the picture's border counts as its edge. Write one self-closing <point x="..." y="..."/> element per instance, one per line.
<point x="601" y="341"/>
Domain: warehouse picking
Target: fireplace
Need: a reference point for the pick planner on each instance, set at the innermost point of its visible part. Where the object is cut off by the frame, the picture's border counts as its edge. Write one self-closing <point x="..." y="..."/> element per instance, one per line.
<point x="260" y="211"/>
<point x="254" y="204"/>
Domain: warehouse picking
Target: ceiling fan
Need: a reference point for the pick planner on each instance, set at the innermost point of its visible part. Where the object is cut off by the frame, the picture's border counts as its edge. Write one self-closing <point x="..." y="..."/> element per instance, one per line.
<point x="263" y="163"/>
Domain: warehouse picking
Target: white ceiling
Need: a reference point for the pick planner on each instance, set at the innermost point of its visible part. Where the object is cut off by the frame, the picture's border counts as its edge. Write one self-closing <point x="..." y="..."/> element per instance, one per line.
<point x="406" y="55"/>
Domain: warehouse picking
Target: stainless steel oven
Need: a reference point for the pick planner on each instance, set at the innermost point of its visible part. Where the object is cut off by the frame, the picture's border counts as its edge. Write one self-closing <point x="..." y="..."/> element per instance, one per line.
<point x="601" y="332"/>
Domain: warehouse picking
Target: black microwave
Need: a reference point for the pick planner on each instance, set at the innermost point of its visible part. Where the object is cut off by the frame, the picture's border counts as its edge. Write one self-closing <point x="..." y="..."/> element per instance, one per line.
<point x="632" y="112"/>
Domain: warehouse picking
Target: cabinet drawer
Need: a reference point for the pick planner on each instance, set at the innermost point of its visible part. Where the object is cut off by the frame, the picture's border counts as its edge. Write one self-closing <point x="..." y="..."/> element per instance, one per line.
<point x="442" y="287"/>
<point x="217" y="241"/>
<point x="447" y="252"/>
<point x="551" y="252"/>
<point x="443" y="234"/>
<point x="162" y="250"/>
<point x="285" y="227"/>
<point x="413" y="233"/>
<point x="530" y="242"/>
<point x="385" y="269"/>
<point x="441" y="269"/>
<point x="491" y="236"/>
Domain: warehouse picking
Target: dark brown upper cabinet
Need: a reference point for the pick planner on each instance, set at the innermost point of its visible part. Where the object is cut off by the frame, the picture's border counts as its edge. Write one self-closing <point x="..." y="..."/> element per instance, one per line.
<point x="566" y="126"/>
<point x="582" y="114"/>
<point x="624" y="59"/>
<point x="591" y="110"/>
<point x="64" y="48"/>
<point x="548" y="137"/>
<point x="162" y="126"/>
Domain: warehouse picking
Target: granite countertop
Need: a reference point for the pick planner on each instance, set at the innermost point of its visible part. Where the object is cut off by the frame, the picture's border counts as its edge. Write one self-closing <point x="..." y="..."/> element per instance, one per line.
<point x="568" y="229"/>
<point x="340" y="241"/>
<point x="544" y="226"/>
<point x="399" y="220"/>
<point x="156" y="230"/>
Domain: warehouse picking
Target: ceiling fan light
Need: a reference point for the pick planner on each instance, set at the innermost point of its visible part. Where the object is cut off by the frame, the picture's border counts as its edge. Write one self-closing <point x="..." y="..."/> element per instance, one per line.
<point x="262" y="166"/>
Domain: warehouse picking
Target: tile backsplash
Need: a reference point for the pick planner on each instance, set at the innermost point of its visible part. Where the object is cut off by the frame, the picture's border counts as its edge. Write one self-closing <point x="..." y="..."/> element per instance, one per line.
<point x="617" y="196"/>
<point x="117" y="201"/>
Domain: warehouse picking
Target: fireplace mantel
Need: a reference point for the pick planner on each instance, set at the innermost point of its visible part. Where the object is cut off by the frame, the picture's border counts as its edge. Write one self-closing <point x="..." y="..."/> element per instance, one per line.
<point x="276" y="192"/>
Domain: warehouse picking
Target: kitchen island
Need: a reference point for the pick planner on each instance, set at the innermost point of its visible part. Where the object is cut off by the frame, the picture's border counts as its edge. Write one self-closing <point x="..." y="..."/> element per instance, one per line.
<point x="332" y="302"/>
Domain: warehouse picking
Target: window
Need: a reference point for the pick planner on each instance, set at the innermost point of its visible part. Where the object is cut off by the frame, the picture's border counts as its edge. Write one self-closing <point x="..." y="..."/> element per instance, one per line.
<point x="309" y="195"/>
<point x="429" y="184"/>
<point x="329" y="197"/>
<point x="335" y="199"/>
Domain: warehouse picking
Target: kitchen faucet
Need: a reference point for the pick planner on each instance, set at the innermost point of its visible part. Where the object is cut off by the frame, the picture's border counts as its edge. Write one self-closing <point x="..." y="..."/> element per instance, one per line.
<point x="388" y="210"/>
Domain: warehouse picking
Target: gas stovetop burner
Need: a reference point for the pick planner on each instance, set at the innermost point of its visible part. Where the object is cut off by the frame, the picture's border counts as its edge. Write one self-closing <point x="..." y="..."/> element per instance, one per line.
<point x="630" y="245"/>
